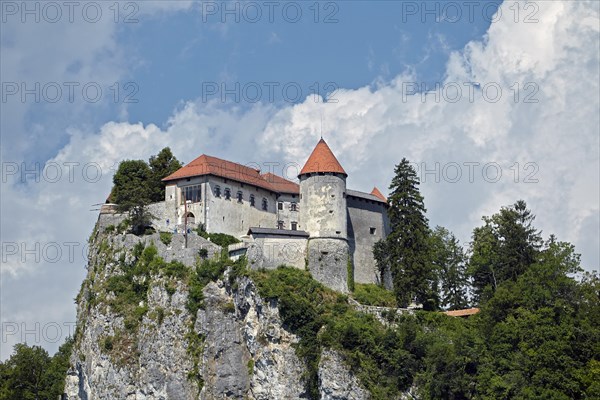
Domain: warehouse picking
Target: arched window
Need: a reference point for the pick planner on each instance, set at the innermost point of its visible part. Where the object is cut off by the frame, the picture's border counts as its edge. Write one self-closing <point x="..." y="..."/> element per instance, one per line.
<point x="217" y="191"/>
<point x="252" y="201"/>
<point x="191" y="218"/>
<point x="240" y="196"/>
<point x="265" y="204"/>
<point x="227" y="193"/>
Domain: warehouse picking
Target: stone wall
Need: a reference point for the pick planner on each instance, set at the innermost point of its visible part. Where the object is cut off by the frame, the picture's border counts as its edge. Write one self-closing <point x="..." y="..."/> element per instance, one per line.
<point x="366" y="225"/>
<point x="328" y="262"/>
<point x="271" y="252"/>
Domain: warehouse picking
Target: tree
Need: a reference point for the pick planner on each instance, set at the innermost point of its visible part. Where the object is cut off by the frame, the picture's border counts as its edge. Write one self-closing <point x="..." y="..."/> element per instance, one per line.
<point x="406" y="250"/>
<point x="541" y="331"/>
<point x="502" y="249"/>
<point x="25" y="373"/>
<point x="132" y="193"/>
<point x="161" y="166"/>
<point x="131" y="184"/>
<point x="30" y="373"/>
<point x="449" y="258"/>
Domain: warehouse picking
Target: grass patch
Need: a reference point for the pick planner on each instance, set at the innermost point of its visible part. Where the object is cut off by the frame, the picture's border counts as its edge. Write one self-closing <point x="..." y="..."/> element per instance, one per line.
<point x="373" y="295"/>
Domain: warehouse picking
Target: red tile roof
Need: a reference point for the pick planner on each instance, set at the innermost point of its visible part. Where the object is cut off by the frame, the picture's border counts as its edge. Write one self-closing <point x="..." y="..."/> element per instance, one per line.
<point x="208" y="165"/>
<point x="375" y="192"/>
<point x="462" y="313"/>
<point x="322" y="160"/>
<point x="280" y="184"/>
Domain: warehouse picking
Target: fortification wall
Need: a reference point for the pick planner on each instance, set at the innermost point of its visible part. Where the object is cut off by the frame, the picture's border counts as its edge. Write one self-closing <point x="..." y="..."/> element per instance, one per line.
<point x="328" y="262"/>
<point x="271" y="252"/>
<point x="366" y="225"/>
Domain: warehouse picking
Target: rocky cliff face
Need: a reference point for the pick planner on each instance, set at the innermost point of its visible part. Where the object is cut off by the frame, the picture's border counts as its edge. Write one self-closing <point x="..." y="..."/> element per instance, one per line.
<point x="234" y="347"/>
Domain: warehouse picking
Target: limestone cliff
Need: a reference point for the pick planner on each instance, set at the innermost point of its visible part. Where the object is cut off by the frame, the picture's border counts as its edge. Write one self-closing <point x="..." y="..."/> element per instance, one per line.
<point x="138" y="337"/>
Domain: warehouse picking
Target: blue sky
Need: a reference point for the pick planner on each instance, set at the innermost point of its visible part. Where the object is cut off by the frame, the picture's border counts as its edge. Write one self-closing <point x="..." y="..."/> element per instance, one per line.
<point x="504" y="148"/>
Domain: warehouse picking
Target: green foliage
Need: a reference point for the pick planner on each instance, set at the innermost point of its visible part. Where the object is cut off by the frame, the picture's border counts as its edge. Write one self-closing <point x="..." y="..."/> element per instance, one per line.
<point x="30" y="373"/>
<point x="350" y="272"/>
<point x="406" y="251"/>
<point x="123" y="225"/>
<point x="131" y="184"/>
<point x="166" y="238"/>
<point x="374" y="295"/>
<point x="502" y="249"/>
<point x="161" y="166"/>
<point x="203" y="253"/>
<point x="139" y="183"/>
<point x="220" y="239"/>
<point x="449" y="259"/>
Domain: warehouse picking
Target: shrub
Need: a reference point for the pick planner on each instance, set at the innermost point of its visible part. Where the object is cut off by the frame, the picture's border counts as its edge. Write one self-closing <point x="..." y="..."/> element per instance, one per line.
<point x="373" y="295"/>
<point x="203" y="253"/>
<point x="166" y="238"/>
<point x="220" y="239"/>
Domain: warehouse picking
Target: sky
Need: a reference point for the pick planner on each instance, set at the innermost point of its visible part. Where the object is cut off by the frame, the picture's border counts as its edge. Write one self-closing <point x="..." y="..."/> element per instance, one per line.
<point x="491" y="101"/>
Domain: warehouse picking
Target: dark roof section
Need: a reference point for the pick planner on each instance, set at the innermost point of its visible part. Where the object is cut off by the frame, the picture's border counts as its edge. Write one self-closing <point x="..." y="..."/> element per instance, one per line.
<point x="277" y="232"/>
<point x="363" y="195"/>
<point x="322" y="159"/>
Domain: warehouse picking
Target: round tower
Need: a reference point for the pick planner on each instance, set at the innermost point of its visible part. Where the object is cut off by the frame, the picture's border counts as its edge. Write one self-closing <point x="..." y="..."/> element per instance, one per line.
<point x="323" y="214"/>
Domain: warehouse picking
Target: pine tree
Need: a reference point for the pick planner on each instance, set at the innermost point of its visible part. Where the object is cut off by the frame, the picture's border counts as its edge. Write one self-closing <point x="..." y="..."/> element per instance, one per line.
<point x="502" y="249"/>
<point x="406" y="250"/>
<point x="449" y="258"/>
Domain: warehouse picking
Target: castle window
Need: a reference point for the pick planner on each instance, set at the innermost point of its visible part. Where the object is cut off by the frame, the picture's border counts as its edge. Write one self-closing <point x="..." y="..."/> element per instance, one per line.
<point x="217" y="191"/>
<point x="280" y="205"/>
<point x="279" y="224"/>
<point x="252" y="200"/>
<point x="265" y="204"/>
<point x="294" y="207"/>
<point x="191" y="193"/>
<point x="372" y="231"/>
<point x="294" y="226"/>
<point x="240" y="196"/>
<point x="227" y="194"/>
<point x="190" y="218"/>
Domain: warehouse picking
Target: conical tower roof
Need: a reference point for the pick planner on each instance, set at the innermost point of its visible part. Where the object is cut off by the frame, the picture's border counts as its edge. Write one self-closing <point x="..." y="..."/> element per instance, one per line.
<point x="322" y="159"/>
<point x="375" y="192"/>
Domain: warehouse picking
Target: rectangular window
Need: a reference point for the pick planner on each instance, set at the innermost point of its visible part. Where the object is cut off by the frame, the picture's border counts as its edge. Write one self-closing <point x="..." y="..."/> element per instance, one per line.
<point x="191" y="193"/>
<point x="217" y="191"/>
<point x="227" y="194"/>
<point x="372" y="231"/>
<point x="294" y="207"/>
<point x="251" y="200"/>
<point x="279" y="224"/>
<point x="280" y="205"/>
<point x="265" y="204"/>
<point x="294" y="226"/>
<point x="240" y="196"/>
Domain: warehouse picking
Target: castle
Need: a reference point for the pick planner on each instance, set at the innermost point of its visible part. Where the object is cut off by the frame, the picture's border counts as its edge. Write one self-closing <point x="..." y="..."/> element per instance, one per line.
<point x="317" y="224"/>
